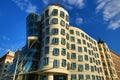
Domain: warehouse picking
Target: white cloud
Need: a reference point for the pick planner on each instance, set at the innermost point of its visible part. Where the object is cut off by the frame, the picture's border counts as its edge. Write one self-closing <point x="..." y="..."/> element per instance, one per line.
<point x="111" y="12"/>
<point x="25" y="5"/>
<point x="78" y="21"/>
<point x="6" y="38"/>
<point x="68" y="3"/>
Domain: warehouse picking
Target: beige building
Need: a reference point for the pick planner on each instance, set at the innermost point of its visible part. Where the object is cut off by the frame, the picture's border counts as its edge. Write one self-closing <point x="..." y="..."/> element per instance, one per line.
<point x="116" y="61"/>
<point x="108" y="65"/>
<point x="64" y="52"/>
<point x="5" y="63"/>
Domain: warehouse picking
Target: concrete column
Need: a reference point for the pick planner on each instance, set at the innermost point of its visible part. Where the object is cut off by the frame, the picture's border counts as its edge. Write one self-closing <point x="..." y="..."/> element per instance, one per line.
<point x="50" y="77"/>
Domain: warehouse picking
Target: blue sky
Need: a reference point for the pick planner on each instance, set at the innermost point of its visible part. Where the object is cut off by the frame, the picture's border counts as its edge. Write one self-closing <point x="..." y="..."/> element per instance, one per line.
<point x="99" y="18"/>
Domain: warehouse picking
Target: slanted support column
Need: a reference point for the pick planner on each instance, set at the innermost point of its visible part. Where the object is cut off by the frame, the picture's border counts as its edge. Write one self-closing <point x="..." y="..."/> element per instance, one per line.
<point x="38" y="77"/>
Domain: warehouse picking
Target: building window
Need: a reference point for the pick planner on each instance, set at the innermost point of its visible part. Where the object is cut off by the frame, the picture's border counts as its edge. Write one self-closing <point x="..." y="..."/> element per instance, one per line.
<point x="72" y="39"/>
<point x="91" y="60"/>
<point x="67" y="18"/>
<point x="86" y="57"/>
<point x="71" y="31"/>
<point x="86" y="66"/>
<point x="62" y="14"/>
<point x="93" y="77"/>
<point x="67" y="26"/>
<point x="54" y="21"/>
<point x="79" y="49"/>
<point x="55" y="12"/>
<point x="82" y="35"/>
<point x="68" y="55"/>
<point x="92" y="69"/>
<point x="84" y="42"/>
<point x="63" y="52"/>
<point x="46" y="13"/>
<point x="78" y="41"/>
<point x="62" y="31"/>
<point x="55" y="31"/>
<point x="80" y="67"/>
<point x="63" y="63"/>
<point x="62" y="23"/>
<point x="63" y="41"/>
<point x="47" y="40"/>
<point x="81" y="77"/>
<point x="46" y="61"/>
<point x="85" y="49"/>
<point x="77" y="33"/>
<point x="55" y="41"/>
<point x="73" y="46"/>
<point x="68" y="46"/>
<point x="87" y="77"/>
<point x="56" y="63"/>
<point x="67" y="36"/>
<point x="47" y="22"/>
<point x="73" y="77"/>
<point x="56" y="51"/>
<point x="80" y="58"/>
<point x="73" y="56"/>
<point x="73" y="65"/>
<point x="47" y="30"/>
<point x="46" y="50"/>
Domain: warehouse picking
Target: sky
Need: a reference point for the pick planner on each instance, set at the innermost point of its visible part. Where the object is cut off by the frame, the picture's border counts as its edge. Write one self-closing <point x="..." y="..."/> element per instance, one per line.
<point x="98" y="18"/>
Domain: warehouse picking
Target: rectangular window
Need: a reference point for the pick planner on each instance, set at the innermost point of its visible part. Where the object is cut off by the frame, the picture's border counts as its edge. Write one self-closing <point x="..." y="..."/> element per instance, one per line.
<point x="63" y="41"/>
<point x="73" y="46"/>
<point x="54" y="21"/>
<point x="55" y="31"/>
<point x="62" y="31"/>
<point x="55" y="12"/>
<point x="92" y="69"/>
<point x="80" y="67"/>
<point x="85" y="49"/>
<point x="46" y="61"/>
<point x="81" y="77"/>
<point x="46" y="13"/>
<point x="77" y="33"/>
<point x="79" y="49"/>
<point x="78" y="41"/>
<point x="55" y="51"/>
<point x="47" y="31"/>
<point x="73" y="77"/>
<point x="46" y="50"/>
<point x="55" y="41"/>
<point x="63" y="63"/>
<point x="72" y="39"/>
<point x="87" y="77"/>
<point x="68" y="46"/>
<point x="56" y="63"/>
<point x="71" y="31"/>
<point x="93" y="77"/>
<point x="47" y="40"/>
<point x="86" y="57"/>
<point x="62" y="14"/>
<point x="73" y="56"/>
<point x="86" y="66"/>
<point x="63" y="51"/>
<point x="73" y="65"/>
<point x="47" y="22"/>
<point x="67" y="18"/>
<point x="82" y="35"/>
<point x="62" y="23"/>
<point x="67" y="36"/>
<point x="84" y="42"/>
<point x="80" y="58"/>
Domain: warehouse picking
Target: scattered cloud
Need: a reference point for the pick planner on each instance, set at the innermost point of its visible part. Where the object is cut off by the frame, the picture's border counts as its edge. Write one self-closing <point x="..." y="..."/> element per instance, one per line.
<point x="25" y="5"/>
<point x="79" y="20"/>
<point x="6" y="38"/>
<point x="111" y="12"/>
<point x="68" y="3"/>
